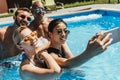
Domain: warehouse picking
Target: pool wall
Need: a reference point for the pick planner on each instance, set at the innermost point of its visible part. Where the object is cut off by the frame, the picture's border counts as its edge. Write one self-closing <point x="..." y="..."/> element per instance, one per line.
<point x="98" y="11"/>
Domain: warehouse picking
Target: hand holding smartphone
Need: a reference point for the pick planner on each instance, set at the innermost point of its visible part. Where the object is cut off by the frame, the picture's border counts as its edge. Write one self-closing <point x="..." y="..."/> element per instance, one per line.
<point x="115" y="34"/>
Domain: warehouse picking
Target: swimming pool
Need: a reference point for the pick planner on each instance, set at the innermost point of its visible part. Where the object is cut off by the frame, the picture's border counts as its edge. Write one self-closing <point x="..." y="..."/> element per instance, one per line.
<point x="82" y="27"/>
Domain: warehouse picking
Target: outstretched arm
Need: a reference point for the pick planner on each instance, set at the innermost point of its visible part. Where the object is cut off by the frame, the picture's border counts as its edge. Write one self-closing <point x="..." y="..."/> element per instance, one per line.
<point x="96" y="45"/>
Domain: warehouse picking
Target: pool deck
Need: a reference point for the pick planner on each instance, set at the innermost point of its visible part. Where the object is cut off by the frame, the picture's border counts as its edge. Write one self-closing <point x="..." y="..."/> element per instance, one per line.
<point x="70" y="10"/>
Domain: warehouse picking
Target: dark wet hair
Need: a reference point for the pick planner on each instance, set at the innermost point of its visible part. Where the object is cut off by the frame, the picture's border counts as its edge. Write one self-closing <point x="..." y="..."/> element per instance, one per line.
<point x="54" y="23"/>
<point x="23" y="9"/>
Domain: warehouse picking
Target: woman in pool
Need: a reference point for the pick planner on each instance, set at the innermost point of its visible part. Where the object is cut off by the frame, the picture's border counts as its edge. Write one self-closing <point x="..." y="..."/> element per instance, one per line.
<point x="58" y="34"/>
<point x="34" y="66"/>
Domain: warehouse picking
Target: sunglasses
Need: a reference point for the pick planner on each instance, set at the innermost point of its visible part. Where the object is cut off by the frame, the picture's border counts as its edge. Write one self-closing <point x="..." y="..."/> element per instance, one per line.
<point x="28" y="38"/>
<point x="61" y="31"/>
<point x="39" y="10"/>
<point x="23" y="17"/>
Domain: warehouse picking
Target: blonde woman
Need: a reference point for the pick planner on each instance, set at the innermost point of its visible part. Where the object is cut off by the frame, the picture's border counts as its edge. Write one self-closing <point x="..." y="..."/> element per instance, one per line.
<point x="35" y="65"/>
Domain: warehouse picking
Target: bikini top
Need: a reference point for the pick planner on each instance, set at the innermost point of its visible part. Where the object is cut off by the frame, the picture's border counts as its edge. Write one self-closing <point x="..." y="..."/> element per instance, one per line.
<point x="24" y="56"/>
<point x="56" y="51"/>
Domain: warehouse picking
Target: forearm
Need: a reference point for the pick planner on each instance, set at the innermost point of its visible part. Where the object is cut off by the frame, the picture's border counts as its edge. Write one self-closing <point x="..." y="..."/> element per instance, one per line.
<point x="78" y="60"/>
<point x="51" y="63"/>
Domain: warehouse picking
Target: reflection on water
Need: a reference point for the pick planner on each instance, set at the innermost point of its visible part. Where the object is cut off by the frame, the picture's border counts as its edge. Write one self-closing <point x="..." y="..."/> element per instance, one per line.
<point x="9" y="68"/>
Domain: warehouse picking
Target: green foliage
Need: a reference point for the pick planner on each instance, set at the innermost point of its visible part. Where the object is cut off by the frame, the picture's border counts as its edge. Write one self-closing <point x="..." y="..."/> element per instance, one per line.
<point x="106" y="1"/>
<point x="78" y="4"/>
<point x="6" y="15"/>
<point x="85" y="2"/>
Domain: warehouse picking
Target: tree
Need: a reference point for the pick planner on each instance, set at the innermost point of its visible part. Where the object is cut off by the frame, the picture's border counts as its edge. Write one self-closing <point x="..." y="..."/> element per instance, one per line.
<point x="108" y="1"/>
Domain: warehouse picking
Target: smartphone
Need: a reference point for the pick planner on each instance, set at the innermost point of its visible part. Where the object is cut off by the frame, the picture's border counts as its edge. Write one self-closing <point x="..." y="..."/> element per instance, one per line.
<point x="115" y="34"/>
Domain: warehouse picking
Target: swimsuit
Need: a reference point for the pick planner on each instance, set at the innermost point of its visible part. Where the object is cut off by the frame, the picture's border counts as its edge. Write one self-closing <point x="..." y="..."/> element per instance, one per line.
<point x="56" y="51"/>
<point x="41" y="61"/>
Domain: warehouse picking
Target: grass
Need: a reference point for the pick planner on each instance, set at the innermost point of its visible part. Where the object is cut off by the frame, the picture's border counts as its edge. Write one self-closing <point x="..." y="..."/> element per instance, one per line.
<point x="91" y="2"/>
<point x="6" y="15"/>
<point x="75" y="4"/>
<point x="78" y="4"/>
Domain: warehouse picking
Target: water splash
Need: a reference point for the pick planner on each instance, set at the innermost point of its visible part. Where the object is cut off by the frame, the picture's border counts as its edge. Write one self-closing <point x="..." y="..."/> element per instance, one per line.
<point x="82" y="18"/>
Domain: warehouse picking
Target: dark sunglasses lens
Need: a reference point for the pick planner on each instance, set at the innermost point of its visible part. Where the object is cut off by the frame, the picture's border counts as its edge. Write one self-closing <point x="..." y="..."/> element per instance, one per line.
<point x="67" y="31"/>
<point x="38" y="10"/>
<point x="22" y="16"/>
<point x="29" y="19"/>
<point x="59" y="32"/>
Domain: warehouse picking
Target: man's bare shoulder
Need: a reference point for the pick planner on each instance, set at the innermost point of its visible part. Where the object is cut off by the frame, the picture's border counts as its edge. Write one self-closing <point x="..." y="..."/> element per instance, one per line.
<point x="49" y="19"/>
<point x="3" y="30"/>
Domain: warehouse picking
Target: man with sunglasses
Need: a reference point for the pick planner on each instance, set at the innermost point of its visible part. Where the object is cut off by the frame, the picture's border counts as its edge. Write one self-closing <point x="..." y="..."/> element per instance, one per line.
<point x="7" y="48"/>
<point x="40" y="22"/>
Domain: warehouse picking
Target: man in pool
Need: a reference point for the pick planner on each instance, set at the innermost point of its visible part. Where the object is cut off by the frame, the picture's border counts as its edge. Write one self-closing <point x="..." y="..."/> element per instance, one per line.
<point x="40" y="24"/>
<point x="7" y="47"/>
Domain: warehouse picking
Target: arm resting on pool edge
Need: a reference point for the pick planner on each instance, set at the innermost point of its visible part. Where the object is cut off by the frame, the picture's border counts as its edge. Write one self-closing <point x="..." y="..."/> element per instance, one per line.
<point x="96" y="46"/>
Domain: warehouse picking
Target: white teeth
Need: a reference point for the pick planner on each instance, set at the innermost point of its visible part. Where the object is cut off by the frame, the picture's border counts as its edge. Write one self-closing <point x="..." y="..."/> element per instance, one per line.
<point x="62" y="38"/>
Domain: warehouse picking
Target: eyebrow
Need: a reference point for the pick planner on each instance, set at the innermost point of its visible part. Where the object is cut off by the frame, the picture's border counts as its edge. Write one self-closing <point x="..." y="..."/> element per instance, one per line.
<point x="60" y="29"/>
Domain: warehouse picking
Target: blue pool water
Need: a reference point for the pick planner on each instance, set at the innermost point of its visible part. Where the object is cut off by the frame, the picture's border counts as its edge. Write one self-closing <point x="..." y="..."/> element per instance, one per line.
<point x="82" y="27"/>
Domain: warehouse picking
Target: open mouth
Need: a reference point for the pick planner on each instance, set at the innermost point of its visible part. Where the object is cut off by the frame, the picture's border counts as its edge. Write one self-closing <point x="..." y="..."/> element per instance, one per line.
<point x="63" y="39"/>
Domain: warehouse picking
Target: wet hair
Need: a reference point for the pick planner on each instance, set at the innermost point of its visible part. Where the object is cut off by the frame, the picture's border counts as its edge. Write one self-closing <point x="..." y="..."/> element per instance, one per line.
<point x="16" y="35"/>
<point x="54" y="23"/>
<point x="23" y="9"/>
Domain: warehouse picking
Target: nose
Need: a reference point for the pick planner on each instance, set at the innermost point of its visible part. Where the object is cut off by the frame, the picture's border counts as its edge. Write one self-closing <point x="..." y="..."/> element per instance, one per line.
<point x="33" y="39"/>
<point x="25" y="21"/>
<point x="42" y="12"/>
<point x="63" y="33"/>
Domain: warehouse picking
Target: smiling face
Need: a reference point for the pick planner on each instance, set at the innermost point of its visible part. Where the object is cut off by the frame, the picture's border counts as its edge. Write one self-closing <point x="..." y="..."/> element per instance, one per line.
<point x="29" y="38"/>
<point x="25" y="39"/>
<point x="38" y="10"/>
<point x="59" y="34"/>
<point x="23" y="18"/>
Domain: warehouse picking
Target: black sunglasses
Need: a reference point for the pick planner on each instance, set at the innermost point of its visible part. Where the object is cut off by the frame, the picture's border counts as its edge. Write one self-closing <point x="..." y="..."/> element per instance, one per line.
<point x="65" y="31"/>
<point x="23" y="17"/>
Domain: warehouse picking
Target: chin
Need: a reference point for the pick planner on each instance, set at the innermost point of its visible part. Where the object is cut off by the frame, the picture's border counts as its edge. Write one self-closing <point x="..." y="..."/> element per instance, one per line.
<point x="62" y="42"/>
<point x="24" y="24"/>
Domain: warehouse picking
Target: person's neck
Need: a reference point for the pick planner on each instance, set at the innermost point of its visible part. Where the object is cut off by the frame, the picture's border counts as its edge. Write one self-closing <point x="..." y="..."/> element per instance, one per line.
<point x="30" y="55"/>
<point x="15" y="26"/>
<point x="39" y="21"/>
<point x="57" y="46"/>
